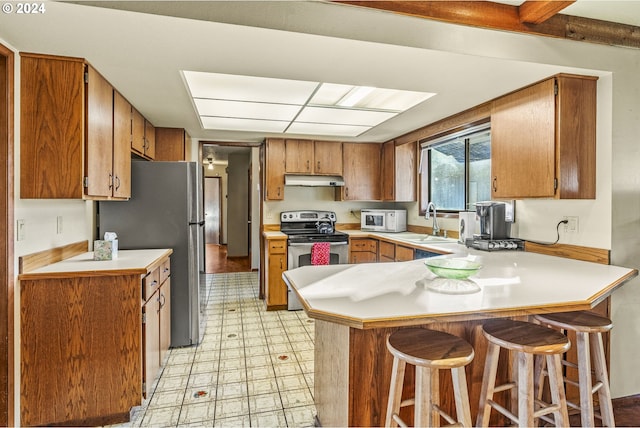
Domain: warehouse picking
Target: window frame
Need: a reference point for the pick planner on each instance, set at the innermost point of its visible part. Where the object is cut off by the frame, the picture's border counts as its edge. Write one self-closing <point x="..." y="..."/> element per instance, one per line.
<point x="425" y="161"/>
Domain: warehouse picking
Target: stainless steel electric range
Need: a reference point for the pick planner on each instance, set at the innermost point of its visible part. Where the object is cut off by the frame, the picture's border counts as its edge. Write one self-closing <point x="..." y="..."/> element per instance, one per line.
<point x="305" y="228"/>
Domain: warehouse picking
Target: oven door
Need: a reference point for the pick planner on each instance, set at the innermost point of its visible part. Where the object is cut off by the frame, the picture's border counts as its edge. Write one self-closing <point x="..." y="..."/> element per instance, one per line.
<point x="299" y="254"/>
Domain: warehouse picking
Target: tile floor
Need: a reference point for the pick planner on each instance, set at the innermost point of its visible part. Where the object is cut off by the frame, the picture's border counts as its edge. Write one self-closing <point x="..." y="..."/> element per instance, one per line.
<point x="252" y="368"/>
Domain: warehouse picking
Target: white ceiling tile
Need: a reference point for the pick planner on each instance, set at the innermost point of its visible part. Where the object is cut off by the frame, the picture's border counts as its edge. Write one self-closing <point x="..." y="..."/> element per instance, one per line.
<point x="343" y="116"/>
<point x="245" y="109"/>
<point x="248" y="88"/>
<point x="233" y="124"/>
<point x="326" y="129"/>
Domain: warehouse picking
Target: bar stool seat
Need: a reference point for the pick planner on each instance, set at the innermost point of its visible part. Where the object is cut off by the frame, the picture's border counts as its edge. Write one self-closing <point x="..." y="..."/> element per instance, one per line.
<point x="430" y="351"/>
<point x="592" y="364"/>
<point x="524" y="340"/>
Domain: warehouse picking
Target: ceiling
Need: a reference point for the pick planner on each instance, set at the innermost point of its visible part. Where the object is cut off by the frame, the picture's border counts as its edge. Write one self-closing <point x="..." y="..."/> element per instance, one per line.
<point x="141" y="47"/>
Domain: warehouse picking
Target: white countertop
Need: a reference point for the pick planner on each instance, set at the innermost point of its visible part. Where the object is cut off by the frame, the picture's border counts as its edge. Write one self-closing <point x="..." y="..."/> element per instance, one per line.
<point x="128" y="261"/>
<point x="511" y="283"/>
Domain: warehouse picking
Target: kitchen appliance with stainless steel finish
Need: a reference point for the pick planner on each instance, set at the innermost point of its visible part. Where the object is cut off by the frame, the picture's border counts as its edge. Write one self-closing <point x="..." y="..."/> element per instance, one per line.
<point x="494" y="228"/>
<point x="305" y="228"/>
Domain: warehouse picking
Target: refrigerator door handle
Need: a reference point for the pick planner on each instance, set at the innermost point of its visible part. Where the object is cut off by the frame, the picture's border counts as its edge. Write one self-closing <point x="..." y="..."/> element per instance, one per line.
<point x="199" y="223"/>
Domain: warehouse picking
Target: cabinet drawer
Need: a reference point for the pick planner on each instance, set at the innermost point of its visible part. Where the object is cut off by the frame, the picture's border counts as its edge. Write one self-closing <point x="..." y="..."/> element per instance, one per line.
<point x="165" y="270"/>
<point x="277" y="246"/>
<point x="403" y="254"/>
<point x="150" y="284"/>
<point x="364" y="245"/>
<point x="387" y="250"/>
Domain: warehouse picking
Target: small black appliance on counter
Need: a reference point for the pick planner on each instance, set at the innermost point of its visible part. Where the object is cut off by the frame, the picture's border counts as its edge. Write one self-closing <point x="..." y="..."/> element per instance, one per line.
<point x="494" y="229"/>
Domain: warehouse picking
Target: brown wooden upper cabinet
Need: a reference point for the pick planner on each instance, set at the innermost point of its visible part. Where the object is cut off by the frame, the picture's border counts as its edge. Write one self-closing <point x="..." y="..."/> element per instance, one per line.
<point x="121" y="146"/>
<point x="274" y="161"/>
<point x="149" y="140"/>
<point x="543" y="140"/>
<point x="137" y="129"/>
<point x="398" y="171"/>
<point x="313" y="157"/>
<point x="172" y="144"/>
<point x="361" y="172"/>
<point x="67" y="131"/>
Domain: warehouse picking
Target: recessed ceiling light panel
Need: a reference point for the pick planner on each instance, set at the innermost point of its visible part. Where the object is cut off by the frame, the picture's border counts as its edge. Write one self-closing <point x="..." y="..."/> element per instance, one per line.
<point x="343" y="116"/>
<point x="245" y="109"/>
<point x="248" y="88"/>
<point x="251" y="125"/>
<point x="326" y="129"/>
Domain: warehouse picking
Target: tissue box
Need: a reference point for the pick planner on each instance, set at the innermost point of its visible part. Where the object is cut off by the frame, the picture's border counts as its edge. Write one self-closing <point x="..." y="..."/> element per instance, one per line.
<point x="105" y="250"/>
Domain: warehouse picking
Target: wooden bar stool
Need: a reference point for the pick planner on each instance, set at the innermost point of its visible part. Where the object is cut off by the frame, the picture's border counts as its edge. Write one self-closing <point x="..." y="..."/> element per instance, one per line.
<point x="524" y="340"/>
<point x="429" y="351"/>
<point x="588" y="328"/>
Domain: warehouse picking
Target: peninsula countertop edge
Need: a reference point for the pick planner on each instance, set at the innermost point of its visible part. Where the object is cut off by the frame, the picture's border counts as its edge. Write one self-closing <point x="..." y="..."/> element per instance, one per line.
<point x="512" y="283"/>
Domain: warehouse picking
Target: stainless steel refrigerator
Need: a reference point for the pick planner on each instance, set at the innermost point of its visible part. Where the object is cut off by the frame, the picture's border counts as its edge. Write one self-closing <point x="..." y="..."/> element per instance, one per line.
<point x="165" y="211"/>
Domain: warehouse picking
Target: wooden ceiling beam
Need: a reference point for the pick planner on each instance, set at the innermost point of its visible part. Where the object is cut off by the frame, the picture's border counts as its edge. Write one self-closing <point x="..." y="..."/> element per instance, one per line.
<point x="498" y="16"/>
<point x="536" y="12"/>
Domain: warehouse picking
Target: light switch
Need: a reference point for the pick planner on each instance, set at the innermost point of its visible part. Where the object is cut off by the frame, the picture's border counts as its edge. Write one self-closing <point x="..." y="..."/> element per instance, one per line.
<point x="20" y="232"/>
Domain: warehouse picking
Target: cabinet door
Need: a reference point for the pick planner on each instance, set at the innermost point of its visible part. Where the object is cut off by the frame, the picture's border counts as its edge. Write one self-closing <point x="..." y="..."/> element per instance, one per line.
<point x="165" y="319"/>
<point x="276" y="288"/>
<point x="523" y="143"/>
<point x="51" y="127"/>
<point x="274" y="169"/>
<point x="404" y="254"/>
<point x="405" y="174"/>
<point x="99" y="135"/>
<point x="327" y="157"/>
<point x="150" y="140"/>
<point x="137" y="130"/>
<point x="170" y="144"/>
<point x="151" y="345"/>
<point x="361" y="163"/>
<point x="299" y="156"/>
<point x="121" y="146"/>
<point x="388" y="171"/>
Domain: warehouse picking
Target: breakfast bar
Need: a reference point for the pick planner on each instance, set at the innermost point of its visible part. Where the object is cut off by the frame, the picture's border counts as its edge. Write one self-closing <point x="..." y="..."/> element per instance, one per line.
<point x="357" y="306"/>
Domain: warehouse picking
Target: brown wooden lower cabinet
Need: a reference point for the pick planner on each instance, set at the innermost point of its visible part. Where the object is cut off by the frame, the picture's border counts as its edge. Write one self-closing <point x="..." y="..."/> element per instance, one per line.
<point x="349" y="361"/>
<point x="85" y="348"/>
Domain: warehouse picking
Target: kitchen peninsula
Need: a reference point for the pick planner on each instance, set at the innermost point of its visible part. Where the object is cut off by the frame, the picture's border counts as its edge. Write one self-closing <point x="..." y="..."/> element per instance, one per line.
<point x="93" y="333"/>
<point x="357" y="306"/>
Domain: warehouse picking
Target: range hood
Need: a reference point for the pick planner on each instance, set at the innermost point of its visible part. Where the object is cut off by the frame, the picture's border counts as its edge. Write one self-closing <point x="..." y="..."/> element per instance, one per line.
<point x="313" y="180"/>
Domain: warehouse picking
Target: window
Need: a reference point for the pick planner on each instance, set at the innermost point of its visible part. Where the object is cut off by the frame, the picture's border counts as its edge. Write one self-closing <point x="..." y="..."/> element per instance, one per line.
<point x="455" y="170"/>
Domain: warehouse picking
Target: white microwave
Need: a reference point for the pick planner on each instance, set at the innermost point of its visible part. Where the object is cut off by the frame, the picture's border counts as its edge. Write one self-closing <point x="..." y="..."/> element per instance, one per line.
<point x="383" y="220"/>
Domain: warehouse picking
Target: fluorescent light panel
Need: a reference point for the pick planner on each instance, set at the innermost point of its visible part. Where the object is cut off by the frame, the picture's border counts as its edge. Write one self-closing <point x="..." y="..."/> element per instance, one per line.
<point x="260" y="104"/>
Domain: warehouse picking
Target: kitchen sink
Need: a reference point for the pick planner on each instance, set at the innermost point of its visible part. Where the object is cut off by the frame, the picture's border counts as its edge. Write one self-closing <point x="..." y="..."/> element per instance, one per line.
<point x="422" y="238"/>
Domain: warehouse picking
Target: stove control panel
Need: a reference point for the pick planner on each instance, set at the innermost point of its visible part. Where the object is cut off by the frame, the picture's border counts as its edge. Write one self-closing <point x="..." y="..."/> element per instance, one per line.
<point x="301" y="216"/>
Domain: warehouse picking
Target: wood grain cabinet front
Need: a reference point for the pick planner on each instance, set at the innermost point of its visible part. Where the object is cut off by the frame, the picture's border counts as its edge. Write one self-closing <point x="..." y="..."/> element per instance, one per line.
<point x="67" y="144"/>
<point x="398" y="171"/>
<point x="91" y="344"/>
<point x="363" y="250"/>
<point x="543" y="140"/>
<point x="361" y="172"/>
<point x="275" y="288"/>
<point x="172" y="144"/>
<point x="274" y="161"/>
<point x="313" y="157"/>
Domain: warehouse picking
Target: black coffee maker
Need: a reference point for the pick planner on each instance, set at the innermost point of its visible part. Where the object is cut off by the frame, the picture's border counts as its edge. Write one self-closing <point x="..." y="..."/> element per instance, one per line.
<point x="493" y="223"/>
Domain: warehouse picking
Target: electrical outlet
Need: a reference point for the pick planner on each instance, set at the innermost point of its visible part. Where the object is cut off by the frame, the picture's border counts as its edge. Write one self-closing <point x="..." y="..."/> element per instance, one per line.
<point x="572" y="224"/>
<point x="269" y="215"/>
<point x="59" y="225"/>
<point x="20" y="232"/>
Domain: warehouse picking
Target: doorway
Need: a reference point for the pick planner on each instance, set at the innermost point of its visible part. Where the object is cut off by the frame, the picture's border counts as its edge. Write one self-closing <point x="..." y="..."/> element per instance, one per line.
<point x="6" y="237"/>
<point x="212" y="210"/>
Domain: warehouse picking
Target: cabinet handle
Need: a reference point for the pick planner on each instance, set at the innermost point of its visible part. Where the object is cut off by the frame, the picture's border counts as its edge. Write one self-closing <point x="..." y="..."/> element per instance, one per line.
<point x="278" y="190"/>
<point x="318" y="168"/>
<point x="117" y="182"/>
<point x="166" y="269"/>
<point x="308" y="165"/>
<point x="281" y="267"/>
<point x="163" y="301"/>
<point x="346" y="192"/>
<point x="110" y="181"/>
<point x="154" y="283"/>
<point x="495" y="184"/>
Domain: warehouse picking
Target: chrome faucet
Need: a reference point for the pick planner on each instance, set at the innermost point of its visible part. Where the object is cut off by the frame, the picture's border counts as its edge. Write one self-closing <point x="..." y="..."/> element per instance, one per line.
<point x="435" y="228"/>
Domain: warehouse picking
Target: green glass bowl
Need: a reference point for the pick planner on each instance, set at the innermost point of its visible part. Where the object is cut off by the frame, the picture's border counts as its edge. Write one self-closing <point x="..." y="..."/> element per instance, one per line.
<point x="452" y="268"/>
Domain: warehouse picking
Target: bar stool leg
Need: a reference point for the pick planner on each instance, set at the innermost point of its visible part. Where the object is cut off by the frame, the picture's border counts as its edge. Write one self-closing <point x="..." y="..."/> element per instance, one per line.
<point x="423" y="409"/>
<point x="584" y="378"/>
<point x="488" y="384"/>
<point x="604" y="393"/>
<point x="435" y="397"/>
<point x="556" y="384"/>
<point x="395" y="391"/>
<point x="525" y="389"/>
<point x="463" y="412"/>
